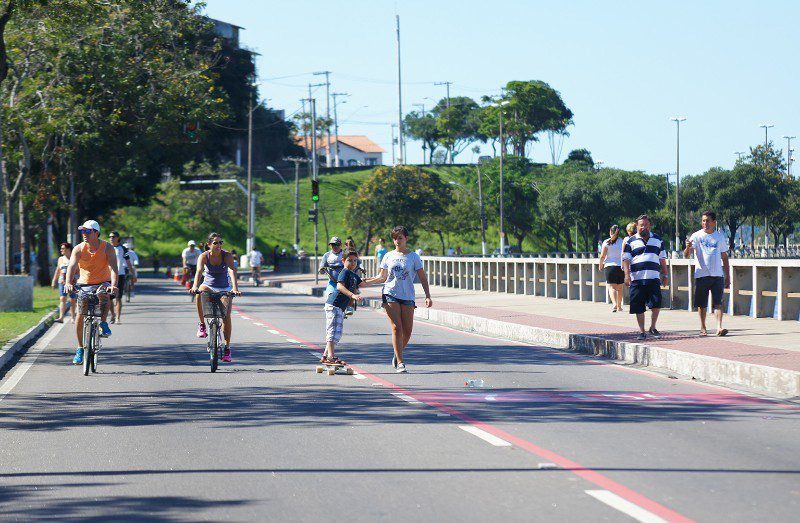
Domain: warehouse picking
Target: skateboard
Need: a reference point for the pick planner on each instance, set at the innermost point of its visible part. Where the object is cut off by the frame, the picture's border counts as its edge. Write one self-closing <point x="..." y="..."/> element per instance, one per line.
<point x="331" y="368"/>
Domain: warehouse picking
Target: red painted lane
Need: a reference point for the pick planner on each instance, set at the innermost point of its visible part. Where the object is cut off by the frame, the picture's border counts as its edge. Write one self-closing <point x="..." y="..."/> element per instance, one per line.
<point x="563" y="462"/>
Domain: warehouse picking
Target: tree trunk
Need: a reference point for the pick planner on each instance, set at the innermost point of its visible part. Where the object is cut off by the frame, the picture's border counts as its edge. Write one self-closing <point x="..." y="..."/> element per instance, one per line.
<point x="9" y="232"/>
<point x="570" y="247"/>
<point x="43" y="271"/>
<point x="732" y="226"/>
<point x="441" y="239"/>
<point x="364" y="251"/>
<point x="752" y="233"/>
<point x="24" y="261"/>
<point x="519" y="241"/>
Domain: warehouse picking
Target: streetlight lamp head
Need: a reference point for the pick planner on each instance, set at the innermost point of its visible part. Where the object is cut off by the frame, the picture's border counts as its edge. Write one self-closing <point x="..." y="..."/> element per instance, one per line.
<point x="270" y="168"/>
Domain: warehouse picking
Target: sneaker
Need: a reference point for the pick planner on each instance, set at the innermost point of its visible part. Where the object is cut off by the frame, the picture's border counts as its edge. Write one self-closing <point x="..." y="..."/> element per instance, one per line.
<point x="394" y="361"/>
<point x="201" y="330"/>
<point x="113" y="319"/>
<point x="78" y="359"/>
<point x="654" y="333"/>
<point x="226" y="355"/>
<point x="349" y="312"/>
<point x="401" y="367"/>
<point x="105" y="331"/>
<point x="642" y="336"/>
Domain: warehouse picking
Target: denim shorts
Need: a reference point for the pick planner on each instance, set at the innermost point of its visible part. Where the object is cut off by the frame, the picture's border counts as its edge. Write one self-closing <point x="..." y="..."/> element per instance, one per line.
<point x="387" y="298"/>
<point x="63" y="292"/>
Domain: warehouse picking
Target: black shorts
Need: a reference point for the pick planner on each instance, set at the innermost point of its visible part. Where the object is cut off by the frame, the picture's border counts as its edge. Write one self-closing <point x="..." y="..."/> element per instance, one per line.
<point x="645" y="295"/>
<point x="120" y="285"/>
<point x="387" y="298"/>
<point x="705" y="284"/>
<point x="614" y="274"/>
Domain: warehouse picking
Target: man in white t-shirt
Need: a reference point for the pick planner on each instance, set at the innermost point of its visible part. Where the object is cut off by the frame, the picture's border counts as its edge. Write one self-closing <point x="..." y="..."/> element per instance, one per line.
<point x="124" y="270"/>
<point x="189" y="258"/>
<point x="711" y="270"/>
<point x="255" y="259"/>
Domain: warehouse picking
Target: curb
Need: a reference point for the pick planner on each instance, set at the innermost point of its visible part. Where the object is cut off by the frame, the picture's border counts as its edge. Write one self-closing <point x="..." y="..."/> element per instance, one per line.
<point x="708" y="369"/>
<point x="24" y="340"/>
<point x="294" y="288"/>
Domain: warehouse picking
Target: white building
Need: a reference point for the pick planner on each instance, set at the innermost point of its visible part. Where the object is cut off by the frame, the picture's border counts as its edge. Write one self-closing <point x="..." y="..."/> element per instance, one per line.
<point x="353" y="150"/>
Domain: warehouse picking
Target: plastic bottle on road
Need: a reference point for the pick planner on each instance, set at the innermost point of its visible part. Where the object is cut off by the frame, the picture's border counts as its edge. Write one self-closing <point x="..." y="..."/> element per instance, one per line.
<point x="474" y="384"/>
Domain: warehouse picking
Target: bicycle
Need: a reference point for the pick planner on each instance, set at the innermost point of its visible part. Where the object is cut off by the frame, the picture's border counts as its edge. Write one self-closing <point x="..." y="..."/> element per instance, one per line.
<point x="188" y="276"/>
<point x="128" y="289"/>
<point x="91" y="328"/>
<point x="215" y="310"/>
<point x="255" y="275"/>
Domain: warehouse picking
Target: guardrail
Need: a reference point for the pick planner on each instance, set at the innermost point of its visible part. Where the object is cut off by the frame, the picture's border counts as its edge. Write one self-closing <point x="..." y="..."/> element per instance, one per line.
<point x="760" y="288"/>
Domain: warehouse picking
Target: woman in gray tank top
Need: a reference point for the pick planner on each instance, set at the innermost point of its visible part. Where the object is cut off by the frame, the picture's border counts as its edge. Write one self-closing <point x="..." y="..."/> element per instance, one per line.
<point x="219" y="275"/>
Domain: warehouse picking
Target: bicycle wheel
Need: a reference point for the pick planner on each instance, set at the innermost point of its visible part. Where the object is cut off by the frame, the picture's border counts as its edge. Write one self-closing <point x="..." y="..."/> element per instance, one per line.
<point x="88" y="350"/>
<point x="95" y="347"/>
<point x="128" y="291"/>
<point x="214" y="340"/>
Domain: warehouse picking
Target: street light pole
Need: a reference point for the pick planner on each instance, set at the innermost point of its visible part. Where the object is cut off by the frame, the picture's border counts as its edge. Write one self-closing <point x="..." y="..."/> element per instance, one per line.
<point x="677" y="120"/>
<point x="313" y="103"/>
<point x="766" y="127"/>
<point x="789" y="154"/>
<point x="336" y="124"/>
<point x="250" y="225"/>
<point x="500" y="106"/>
<point x="483" y="213"/>
<point x="400" y="152"/>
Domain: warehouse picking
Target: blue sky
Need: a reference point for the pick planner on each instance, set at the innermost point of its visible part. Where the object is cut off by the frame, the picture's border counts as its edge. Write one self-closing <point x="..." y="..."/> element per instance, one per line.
<point x="623" y="67"/>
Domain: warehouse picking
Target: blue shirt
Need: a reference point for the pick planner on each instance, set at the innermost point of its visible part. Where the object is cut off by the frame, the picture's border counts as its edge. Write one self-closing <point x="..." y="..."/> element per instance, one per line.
<point x="645" y="258"/>
<point x="351" y="281"/>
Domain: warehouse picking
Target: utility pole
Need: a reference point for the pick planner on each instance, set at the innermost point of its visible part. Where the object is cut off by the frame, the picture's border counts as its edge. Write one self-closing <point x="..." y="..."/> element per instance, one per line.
<point x="739" y="155"/>
<point x="314" y="175"/>
<point x="677" y="120"/>
<point x="336" y="124"/>
<point x="766" y="127"/>
<point x="447" y="86"/>
<point x="327" y="112"/>
<point x="400" y="153"/>
<point x="3" y="253"/>
<point x="789" y="154"/>
<point x="250" y="224"/>
<point x="422" y="109"/>
<point x="500" y="106"/>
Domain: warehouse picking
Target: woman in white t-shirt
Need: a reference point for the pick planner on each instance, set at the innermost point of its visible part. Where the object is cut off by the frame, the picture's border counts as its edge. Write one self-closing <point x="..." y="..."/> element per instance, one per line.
<point x="398" y="268"/>
<point x="611" y="260"/>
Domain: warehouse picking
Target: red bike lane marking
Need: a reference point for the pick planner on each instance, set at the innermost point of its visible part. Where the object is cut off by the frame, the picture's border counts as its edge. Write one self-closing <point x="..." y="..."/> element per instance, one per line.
<point x="562" y="461"/>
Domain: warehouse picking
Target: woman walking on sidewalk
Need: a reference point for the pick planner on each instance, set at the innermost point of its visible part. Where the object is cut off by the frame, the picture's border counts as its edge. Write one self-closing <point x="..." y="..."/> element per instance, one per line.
<point x="611" y="260"/>
<point x="60" y="278"/>
<point x="398" y="269"/>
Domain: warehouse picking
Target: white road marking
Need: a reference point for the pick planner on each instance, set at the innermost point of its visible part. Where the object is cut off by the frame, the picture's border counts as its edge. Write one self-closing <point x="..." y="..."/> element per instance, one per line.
<point x="315" y="354"/>
<point x="442" y="415"/>
<point x="359" y="376"/>
<point x="547" y="466"/>
<point x="28" y="360"/>
<point x="291" y="340"/>
<point x="273" y="331"/>
<point x="259" y="324"/>
<point x="374" y="384"/>
<point x="485" y="436"/>
<point x="625" y="506"/>
<point x="406" y="398"/>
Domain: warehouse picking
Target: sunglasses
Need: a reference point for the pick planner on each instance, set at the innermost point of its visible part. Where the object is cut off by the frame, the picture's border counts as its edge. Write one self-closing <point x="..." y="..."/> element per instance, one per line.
<point x="217" y="243"/>
<point x="86" y="231"/>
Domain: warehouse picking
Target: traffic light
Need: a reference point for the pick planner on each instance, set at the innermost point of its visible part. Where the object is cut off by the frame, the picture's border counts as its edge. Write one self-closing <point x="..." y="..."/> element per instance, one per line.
<point x="314" y="190"/>
<point x="312" y="215"/>
<point x="190" y="129"/>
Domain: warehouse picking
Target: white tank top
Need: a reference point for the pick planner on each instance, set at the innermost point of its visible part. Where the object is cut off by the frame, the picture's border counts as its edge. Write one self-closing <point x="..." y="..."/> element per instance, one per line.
<point x="614" y="253"/>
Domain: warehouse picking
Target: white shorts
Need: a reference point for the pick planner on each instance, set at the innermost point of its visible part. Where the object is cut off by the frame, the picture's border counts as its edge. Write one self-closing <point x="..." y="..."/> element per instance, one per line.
<point x="334" y="323"/>
<point x="229" y="288"/>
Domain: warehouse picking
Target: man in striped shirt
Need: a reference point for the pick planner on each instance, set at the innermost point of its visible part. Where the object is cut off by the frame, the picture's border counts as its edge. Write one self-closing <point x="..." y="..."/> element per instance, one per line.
<point x="643" y="259"/>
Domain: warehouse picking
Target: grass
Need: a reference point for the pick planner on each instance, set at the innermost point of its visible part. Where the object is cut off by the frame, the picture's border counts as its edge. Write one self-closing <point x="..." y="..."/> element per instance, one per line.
<point x="12" y="324"/>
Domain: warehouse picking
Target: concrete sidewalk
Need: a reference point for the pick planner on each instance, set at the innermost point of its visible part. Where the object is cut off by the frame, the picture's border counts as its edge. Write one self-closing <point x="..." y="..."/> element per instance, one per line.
<point x="762" y="355"/>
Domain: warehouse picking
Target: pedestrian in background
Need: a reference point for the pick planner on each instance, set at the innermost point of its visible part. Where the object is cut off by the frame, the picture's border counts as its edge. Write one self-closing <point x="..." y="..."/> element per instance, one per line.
<point x="643" y="259"/>
<point x="631" y="228"/>
<point x="611" y="260"/>
<point x="60" y="278"/>
<point x="711" y="269"/>
<point x="380" y="252"/>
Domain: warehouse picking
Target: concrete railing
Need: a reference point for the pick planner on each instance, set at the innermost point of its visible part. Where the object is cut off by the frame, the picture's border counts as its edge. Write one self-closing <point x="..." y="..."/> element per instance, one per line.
<point x="759" y="288"/>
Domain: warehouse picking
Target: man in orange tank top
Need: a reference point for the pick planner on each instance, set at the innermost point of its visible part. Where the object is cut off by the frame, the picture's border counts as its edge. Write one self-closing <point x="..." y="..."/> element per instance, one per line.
<point x="97" y="262"/>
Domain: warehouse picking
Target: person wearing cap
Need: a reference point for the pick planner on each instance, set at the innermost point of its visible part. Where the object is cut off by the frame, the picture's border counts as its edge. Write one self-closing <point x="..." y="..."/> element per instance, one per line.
<point x="96" y="263"/>
<point x="189" y="258"/>
<point x="125" y="270"/>
<point x="332" y="264"/>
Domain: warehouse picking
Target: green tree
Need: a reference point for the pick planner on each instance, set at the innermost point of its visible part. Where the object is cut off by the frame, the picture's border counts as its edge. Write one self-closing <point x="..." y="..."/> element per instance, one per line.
<point x="520" y="195"/>
<point x="457" y="123"/>
<point x="581" y="156"/>
<point x="422" y="127"/>
<point x="400" y="195"/>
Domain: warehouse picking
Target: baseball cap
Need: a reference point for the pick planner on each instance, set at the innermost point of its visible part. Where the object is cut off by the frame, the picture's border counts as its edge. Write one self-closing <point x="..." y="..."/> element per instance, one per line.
<point x="126" y="245"/>
<point x="90" y="224"/>
<point x="114" y="233"/>
<point x="335" y="240"/>
<point x="191" y="242"/>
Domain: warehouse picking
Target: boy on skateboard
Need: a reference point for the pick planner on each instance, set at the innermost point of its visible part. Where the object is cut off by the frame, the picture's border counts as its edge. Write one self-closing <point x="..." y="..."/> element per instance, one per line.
<point x="347" y="284"/>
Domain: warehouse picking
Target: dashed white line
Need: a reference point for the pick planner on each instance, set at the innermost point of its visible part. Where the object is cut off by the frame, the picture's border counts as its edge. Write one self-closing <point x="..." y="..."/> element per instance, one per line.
<point x="359" y="376"/>
<point x="28" y="360"/>
<point x="292" y="340"/>
<point x="625" y="506"/>
<point x="259" y="324"/>
<point x="406" y="398"/>
<point x="485" y="436"/>
<point x="273" y="331"/>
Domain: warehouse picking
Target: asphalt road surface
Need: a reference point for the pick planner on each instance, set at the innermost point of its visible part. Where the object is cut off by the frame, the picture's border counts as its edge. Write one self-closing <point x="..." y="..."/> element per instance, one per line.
<point x="550" y="437"/>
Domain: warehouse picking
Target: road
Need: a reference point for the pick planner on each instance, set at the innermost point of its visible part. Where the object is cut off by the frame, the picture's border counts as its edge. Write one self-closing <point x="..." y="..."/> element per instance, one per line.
<point x="550" y="437"/>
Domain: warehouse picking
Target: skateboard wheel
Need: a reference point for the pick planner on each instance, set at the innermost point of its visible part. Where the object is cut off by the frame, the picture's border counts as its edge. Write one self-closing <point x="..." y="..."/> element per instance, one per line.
<point x="349" y="372"/>
<point x="319" y="369"/>
<point x="331" y="372"/>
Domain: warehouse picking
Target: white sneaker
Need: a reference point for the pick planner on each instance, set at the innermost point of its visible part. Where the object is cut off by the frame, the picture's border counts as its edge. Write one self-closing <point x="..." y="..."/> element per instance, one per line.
<point x="401" y="367"/>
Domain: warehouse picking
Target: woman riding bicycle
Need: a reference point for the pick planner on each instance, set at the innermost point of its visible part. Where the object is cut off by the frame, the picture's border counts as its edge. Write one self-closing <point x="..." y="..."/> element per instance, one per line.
<point x="219" y="275"/>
